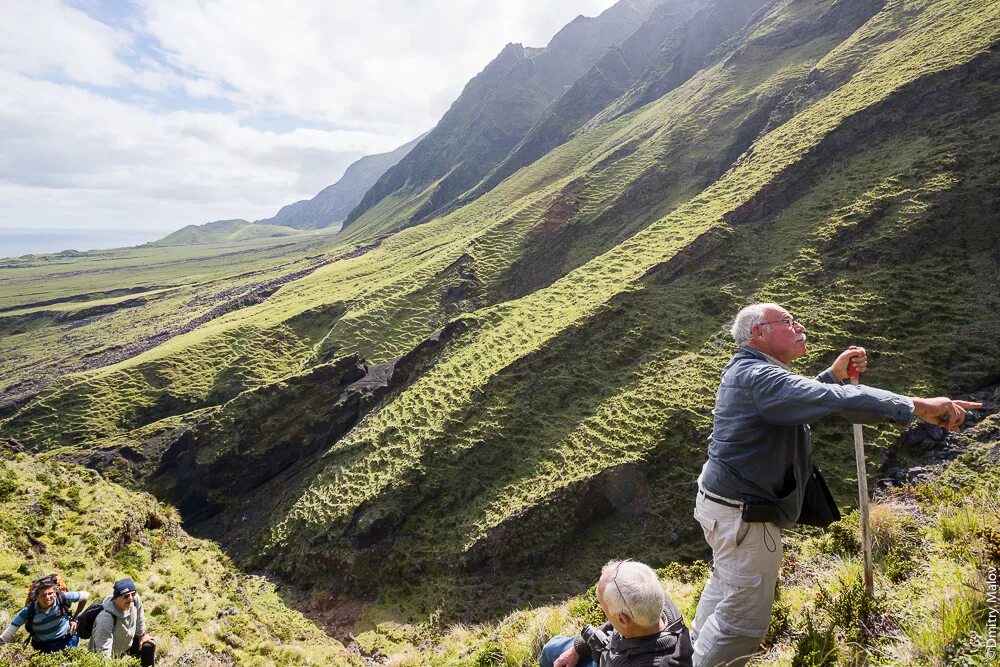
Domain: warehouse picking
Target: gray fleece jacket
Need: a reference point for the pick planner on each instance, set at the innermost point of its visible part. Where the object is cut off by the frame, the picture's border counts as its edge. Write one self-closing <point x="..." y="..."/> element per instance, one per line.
<point x="114" y="631"/>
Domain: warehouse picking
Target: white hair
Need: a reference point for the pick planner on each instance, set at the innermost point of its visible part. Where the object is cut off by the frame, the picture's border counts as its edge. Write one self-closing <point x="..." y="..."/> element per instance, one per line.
<point x="633" y="588"/>
<point x="747" y="318"/>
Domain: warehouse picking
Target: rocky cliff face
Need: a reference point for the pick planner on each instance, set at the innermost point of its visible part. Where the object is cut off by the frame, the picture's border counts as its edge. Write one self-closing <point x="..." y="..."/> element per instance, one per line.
<point x="669" y="47"/>
<point x="491" y="115"/>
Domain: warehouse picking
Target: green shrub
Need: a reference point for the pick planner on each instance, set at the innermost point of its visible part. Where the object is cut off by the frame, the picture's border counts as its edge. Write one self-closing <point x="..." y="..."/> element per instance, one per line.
<point x="990" y="536"/>
<point x="842" y="538"/>
<point x="780" y="622"/>
<point x="815" y="647"/>
<point x="860" y="617"/>
<point x="686" y="573"/>
<point x="73" y="498"/>
<point x="133" y="559"/>
<point x="8" y="484"/>
<point x="490" y="654"/>
<point x="899" y="564"/>
<point x="586" y="608"/>
<point x="79" y="657"/>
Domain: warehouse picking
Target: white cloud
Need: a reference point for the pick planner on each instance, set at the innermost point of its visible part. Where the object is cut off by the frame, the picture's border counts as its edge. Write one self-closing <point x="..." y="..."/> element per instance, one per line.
<point x="44" y="37"/>
<point x="109" y="122"/>
<point x="375" y="64"/>
<point x="64" y="139"/>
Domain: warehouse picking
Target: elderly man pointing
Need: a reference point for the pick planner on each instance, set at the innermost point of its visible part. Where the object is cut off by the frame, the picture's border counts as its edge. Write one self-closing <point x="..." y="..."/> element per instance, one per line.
<point x="759" y="462"/>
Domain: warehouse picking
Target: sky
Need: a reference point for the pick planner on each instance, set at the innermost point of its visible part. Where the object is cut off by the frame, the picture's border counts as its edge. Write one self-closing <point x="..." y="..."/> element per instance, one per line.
<point x="143" y="114"/>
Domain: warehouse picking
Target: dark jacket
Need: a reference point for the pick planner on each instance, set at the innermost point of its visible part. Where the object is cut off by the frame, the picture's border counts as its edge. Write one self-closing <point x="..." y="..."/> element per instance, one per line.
<point x="671" y="647"/>
<point x="760" y="444"/>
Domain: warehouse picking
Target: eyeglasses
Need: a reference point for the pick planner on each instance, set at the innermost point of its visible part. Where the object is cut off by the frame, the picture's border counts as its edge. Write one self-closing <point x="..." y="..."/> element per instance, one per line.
<point x="614" y="580"/>
<point x="788" y="321"/>
<point x="127" y="595"/>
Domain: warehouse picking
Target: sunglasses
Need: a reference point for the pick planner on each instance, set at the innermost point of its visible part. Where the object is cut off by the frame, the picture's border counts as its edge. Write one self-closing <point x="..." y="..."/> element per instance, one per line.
<point x="614" y="580"/>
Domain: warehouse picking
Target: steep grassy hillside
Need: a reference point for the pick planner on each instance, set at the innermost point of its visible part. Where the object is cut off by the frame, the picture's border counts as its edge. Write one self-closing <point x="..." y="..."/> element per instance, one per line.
<point x="545" y="400"/>
<point x="469" y="416"/>
<point x="62" y="314"/>
<point x="56" y="517"/>
<point x="936" y="544"/>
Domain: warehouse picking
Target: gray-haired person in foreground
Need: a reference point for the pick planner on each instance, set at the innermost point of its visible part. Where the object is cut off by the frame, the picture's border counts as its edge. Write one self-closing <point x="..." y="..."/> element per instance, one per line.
<point x="644" y="627"/>
<point x="759" y="455"/>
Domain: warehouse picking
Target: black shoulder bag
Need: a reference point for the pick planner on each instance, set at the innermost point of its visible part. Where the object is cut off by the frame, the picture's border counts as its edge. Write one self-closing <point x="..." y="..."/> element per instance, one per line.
<point x="818" y="506"/>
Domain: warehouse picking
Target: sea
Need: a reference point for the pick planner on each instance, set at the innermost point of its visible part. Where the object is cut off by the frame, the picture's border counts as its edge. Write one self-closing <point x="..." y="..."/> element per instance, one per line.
<point x="17" y="241"/>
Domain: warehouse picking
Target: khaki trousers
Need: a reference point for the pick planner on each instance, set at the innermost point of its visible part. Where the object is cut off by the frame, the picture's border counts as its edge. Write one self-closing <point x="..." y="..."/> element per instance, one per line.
<point x="735" y="608"/>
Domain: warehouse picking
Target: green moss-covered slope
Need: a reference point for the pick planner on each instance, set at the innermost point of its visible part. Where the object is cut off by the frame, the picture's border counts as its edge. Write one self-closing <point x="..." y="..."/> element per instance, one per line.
<point x="57" y="517"/>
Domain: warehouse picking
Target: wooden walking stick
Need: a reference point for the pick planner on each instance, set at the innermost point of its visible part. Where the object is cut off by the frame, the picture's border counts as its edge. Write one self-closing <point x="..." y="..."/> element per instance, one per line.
<point x="859" y="455"/>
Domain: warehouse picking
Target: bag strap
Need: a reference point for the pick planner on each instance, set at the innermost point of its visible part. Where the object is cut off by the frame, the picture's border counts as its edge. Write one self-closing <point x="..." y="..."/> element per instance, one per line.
<point x="676" y="625"/>
<point x="63" y="603"/>
<point x="30" y="620"/>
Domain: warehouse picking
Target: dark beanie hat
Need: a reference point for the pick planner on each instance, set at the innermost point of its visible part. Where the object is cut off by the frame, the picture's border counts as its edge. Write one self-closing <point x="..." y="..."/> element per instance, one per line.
<point x="123" y="586"/>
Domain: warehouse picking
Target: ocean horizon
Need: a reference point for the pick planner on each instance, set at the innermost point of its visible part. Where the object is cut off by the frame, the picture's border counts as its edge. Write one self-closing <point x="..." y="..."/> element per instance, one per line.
<point x="18" y="241"/>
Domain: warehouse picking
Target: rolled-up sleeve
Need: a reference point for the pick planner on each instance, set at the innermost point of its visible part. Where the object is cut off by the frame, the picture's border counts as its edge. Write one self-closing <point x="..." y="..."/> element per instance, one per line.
<point x="827" y="377"/>
<point x="785" y="398"/>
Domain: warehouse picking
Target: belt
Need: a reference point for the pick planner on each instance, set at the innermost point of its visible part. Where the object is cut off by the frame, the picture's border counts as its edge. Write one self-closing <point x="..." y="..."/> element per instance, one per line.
<point x="719" y="500"/>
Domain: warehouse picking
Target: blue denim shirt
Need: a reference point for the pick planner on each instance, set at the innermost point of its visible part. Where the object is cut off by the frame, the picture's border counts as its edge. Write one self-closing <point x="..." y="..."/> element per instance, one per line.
<point x="760" y="443"/>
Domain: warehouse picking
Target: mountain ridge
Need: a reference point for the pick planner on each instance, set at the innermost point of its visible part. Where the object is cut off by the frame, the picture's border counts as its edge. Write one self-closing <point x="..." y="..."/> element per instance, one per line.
<point x="332" y="204"/>
<point x="223" y="230"/>
<point x="494" y="110"/>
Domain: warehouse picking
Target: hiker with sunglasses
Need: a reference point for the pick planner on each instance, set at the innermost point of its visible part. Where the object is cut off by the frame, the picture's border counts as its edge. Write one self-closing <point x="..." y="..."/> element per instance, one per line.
<point x="120" y="628"/>
<point x="760" y="468"/>
<point x="644" y="627"/>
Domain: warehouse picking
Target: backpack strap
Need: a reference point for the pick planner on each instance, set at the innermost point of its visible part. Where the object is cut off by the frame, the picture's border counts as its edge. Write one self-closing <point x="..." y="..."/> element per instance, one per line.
<point x="63" y="603"/>
<point x="676" y="625"/>
<point x="29" y="622"/>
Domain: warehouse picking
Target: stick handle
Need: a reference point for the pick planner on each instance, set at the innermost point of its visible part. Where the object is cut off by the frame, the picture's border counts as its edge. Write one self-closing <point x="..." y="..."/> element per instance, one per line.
<point x="859" y="456"/>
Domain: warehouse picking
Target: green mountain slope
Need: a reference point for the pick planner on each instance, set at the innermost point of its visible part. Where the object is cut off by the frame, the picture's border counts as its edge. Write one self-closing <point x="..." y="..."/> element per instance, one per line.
<point x="401" y="491"/>
<point x="936" y="543"/>
<point x="224" y="230"/>
<point x="669" y="47"/>
<point x="521" y="389"/>
<point x="70" y="314"/>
